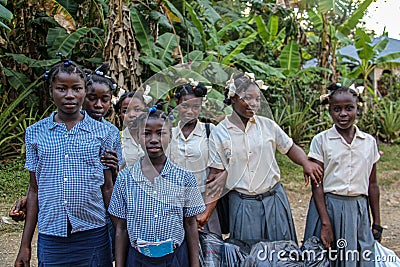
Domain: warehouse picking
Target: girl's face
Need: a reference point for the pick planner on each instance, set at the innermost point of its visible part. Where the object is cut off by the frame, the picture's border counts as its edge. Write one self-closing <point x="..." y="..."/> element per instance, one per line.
<point x="124" y="107"/>
<point x="247" y="103"/>
<point x="343" y="109"/>
<point x="68" y="92"/>
<point x="189" y="108"/>
<point x="154" y="137"/>
<point x="97" y="100"/>
<point x="130" y="109"/>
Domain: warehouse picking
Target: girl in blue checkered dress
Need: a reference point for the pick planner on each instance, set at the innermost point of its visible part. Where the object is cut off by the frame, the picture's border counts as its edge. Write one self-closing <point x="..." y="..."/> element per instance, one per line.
<point x="155" y="203"/>
<point x="69" y="187"/>
<point x="97" y="103"/>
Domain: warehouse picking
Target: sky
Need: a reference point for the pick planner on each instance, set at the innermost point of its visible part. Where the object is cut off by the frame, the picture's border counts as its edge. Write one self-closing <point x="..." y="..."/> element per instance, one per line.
<point x="383" y="13"/>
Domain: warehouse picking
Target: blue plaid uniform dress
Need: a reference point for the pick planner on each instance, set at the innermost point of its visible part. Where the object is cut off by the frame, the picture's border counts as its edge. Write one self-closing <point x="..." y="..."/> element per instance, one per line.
<point x="69" y="173"/>
<point x="116" y="146"/>
<point x="155" y="212"/>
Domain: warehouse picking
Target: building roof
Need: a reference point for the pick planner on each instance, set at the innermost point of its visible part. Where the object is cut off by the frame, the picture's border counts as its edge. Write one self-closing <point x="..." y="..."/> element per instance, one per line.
<point x="392" y="46"/>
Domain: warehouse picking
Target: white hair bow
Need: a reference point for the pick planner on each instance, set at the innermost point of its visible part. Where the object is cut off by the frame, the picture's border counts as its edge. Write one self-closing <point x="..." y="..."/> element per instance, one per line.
<point x="323" y="97"/>
<point x="359" y="89"/>
<point x="250" y="75"/>
<point x="146" y="98"/>
<point x="259" y="83"/>
<point x="115" y="99"/>
<point x="230" y="84"/>
<point x="193" y="82"/>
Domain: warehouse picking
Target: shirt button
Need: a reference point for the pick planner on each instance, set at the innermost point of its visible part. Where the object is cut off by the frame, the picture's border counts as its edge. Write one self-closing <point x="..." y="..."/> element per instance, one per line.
<point x="155" y="216"/>
<point x="66" y="135"/>
<point x="155" y="192"/>
<point x="66" y="156"/>
<point x="65" y="202"/>
<point x="65" y="179"/>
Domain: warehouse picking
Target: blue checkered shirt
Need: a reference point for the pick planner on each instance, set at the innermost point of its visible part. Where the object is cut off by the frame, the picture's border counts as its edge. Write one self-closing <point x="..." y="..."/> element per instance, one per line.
<point x="69" y="173"/>
<point x="155" y="212"/>
<point x="116" y="146"/>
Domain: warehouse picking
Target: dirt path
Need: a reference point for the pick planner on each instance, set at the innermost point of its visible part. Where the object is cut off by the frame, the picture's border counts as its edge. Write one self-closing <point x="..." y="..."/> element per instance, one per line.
<point x="299" y="197"/>
<point x="390" y="212"/>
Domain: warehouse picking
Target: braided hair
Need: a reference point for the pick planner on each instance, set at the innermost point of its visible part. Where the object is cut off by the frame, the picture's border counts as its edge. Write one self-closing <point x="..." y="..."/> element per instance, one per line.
<point x="241" y="83"/>
<point x="138" y="94"/>
<point x="337" y="88"/>
<point x="100" y="76"/>
<point x="64" y="66"/>
<point x="198" y="90"/>
<point x="157" y="112"/>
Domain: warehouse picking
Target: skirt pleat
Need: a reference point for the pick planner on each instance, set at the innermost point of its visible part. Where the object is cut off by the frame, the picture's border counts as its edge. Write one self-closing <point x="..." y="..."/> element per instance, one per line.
<point x="269" y="219"/>
<point x="353" y="240"/>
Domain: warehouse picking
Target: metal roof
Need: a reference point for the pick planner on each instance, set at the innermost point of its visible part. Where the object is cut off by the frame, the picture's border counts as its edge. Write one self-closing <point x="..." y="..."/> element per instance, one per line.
<point x="392" y="46"/>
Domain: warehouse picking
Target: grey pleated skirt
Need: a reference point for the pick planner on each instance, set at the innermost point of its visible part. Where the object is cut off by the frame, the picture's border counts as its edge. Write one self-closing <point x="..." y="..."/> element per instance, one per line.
<point x="353" y="239"/>
<point x="266" y="219"/>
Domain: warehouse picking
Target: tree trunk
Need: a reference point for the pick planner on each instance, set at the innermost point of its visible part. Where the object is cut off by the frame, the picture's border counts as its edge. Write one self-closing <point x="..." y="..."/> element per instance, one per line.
<point x="120" y="48"/>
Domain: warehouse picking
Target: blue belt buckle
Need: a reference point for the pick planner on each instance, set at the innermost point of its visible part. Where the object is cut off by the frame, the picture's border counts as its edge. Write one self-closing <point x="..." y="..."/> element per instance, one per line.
<point x="157" y="250"/>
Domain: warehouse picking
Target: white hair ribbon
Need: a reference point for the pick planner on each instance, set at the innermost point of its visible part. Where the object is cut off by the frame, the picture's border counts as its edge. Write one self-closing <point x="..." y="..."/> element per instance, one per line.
<point x="115" y="99"/>
<point x="193" y="82"/>
<point x="323" y="97"/>
<point x="230" y="84"/>
<point x="261" y="85"/>
<point x="250" y="75"/>
<point x="146" y="98"/>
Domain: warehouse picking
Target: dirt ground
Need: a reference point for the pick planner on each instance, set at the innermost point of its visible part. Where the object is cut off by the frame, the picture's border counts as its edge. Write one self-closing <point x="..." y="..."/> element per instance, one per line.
<point x="298" y="196"/>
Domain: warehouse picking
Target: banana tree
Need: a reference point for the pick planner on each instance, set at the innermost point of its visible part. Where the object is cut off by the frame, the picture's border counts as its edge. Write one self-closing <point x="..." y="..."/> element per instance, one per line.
<point x="205" y="36"/>
<point x="333" y="21"/>
<point x="43" y="28"/>
<point x="369" y="57"/>
<point x="5" y="15"/>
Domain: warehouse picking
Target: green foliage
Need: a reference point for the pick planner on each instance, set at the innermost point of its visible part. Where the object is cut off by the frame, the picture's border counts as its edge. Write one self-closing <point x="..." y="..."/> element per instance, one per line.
<point x="13" y="122"/>
<point x="290" y="57"/>
<point x="272" y="44"/>
<point x="388" y="166"/>
<point x="293" y="100"/>
<point x="389" y="121"/>
<point x="70" y="6"/>
<point x="5" y="15"/>
<point x="355" y="18"/>
<point x="369" y="55"/>
<point x="299" y="121"/>
<point x="337" y="6"/>
<point x="142" y="31"/>
<point x="14" y="180"/>
<point x="390" y="160"/>
<point x="32" y="63"/>
<point x="17" y="80"/>
<point x="167" y="43"/>
<point x="269" y="32"/>
<point x="239" y="48"/>
<point x="59" y="40"/>
<point x="389" y="86"/>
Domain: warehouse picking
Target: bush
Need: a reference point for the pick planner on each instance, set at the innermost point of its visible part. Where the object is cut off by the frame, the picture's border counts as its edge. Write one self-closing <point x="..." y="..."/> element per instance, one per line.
<point x="389" y="86"/>
<point x="388" y="121"/>
<point x="295" y="107"/>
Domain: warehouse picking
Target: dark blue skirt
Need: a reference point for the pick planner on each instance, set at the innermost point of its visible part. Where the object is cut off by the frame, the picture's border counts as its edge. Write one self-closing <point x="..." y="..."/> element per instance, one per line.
<point x="87" y="248"/>
<point x="180" y="258"/>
